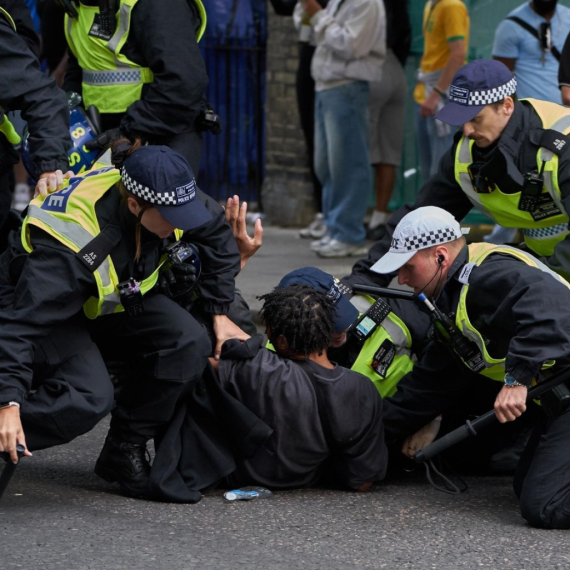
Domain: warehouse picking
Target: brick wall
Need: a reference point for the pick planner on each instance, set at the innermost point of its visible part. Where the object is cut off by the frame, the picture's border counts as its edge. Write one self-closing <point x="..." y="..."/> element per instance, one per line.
<point x="287" y="191"/>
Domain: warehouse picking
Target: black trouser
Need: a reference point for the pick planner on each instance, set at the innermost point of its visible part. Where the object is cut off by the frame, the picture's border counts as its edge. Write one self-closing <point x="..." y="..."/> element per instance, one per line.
<point x="73" y="391"/>
<point x="305" y="86"/>
<point x="166" y="350"/>
<point x="542" y="479"/>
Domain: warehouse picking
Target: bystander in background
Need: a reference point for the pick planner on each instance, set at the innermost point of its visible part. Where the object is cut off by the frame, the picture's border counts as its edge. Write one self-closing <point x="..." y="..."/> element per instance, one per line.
<point x="351" y="47"/>
<point x="446" y="37"/>
<point x="387" y="110"/>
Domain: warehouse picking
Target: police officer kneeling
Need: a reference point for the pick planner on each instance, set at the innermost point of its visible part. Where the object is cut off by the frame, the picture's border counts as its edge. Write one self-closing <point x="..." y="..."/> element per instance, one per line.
<point x="510" y="160"/>
<point x="98" y="245"/>
<point x="514" y="314"/>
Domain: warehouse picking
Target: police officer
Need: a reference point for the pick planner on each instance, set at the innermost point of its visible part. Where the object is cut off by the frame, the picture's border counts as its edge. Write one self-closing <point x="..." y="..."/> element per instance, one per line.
<point x="24" y="87"/>
<point x="138" y="63"/>
<point x="509" y="161"/>
<point x="514" y="315"/>
<point x="96" y="248"/>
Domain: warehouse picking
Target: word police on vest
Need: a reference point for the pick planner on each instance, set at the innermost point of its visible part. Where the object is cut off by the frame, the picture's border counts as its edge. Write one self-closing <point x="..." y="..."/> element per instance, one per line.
<point x="161" y="177"/>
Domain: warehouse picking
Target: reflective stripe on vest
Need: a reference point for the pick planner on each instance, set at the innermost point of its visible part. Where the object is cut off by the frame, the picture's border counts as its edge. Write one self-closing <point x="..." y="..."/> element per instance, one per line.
<point x="111" y="82"/>
<point x="541" y="236"/>
<point x="494" y="367"/>
<point x="69" y="216"/>
<point x="6" y="127"/>
<point x="394" y="330"/>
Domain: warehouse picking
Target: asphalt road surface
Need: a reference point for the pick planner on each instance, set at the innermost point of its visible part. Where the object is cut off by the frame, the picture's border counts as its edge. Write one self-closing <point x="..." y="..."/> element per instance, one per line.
<point x="58" y="515"/>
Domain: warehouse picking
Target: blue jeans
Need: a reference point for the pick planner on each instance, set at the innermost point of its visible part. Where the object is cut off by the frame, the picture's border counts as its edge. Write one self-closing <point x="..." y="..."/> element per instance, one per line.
<point x="342" y="162"/>
<point x="431" y="146"/>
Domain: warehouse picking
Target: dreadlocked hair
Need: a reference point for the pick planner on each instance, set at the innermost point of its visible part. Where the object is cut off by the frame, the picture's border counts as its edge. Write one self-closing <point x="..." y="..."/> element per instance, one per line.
<point x="303" y="315"/>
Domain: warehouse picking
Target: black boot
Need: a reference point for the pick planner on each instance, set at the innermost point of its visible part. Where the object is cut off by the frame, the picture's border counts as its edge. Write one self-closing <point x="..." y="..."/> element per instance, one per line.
<point x="126" y="464"/>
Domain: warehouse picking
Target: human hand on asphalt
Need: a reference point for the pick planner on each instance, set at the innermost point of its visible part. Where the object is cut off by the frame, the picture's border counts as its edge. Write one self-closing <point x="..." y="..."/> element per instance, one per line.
<point x="11" y="432"/>
<point x="224" y="329"/>
<point x="51" y="182"/>
<point x="422" y="438"/>
<point x="510" y="403"/>
<point x="235" y="215"/>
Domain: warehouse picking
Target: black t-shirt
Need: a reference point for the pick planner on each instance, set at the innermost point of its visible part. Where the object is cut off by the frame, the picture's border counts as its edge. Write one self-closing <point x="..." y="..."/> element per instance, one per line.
<point x="279" y="392"/>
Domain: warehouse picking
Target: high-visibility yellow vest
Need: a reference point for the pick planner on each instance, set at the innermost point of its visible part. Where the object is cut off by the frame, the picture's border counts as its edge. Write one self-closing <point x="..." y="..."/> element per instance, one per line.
<point x="540" y="235"/>
<point x="6" y="127"/>
<point x="393" y="340"/>
<point x="478" y="252"/>
<point x="69" y="216"/>
<point x="111" y="82"/>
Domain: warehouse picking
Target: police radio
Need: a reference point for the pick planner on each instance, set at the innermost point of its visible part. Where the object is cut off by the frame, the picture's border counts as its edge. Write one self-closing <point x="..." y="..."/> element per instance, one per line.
<point x="452" y="337"/>
<point x="179" y="252"/>
<point x="131" y="297"/>
<point x="532" y="189"/>
<point x="363" y="328"/>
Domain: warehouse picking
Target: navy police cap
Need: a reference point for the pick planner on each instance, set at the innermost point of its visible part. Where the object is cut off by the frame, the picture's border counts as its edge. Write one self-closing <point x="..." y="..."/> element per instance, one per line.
<point x="475" y="85"/>
<point x="346" y="312"/>
<point x="161" y="177"/>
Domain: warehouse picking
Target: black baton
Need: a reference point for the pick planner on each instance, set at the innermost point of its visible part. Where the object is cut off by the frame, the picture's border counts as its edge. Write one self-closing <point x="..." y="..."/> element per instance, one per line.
<point x="9" y="468"/>
<point x="472" y="428"/>
<point x="385" y="292"/>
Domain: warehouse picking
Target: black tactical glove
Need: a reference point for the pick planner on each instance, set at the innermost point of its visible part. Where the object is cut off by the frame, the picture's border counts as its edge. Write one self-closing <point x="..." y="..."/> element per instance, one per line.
<point x="177" y="280"/>
<point x="102" y="141"/>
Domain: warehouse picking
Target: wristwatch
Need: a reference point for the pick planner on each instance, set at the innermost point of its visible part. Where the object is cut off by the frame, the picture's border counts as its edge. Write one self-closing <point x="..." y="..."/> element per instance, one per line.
<point x="511" y="382"/>
<point x="9" y="405"/>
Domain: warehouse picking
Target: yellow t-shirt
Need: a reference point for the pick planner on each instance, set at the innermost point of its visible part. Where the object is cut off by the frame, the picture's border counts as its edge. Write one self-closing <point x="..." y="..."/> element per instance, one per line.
<point x="444" y="21"/>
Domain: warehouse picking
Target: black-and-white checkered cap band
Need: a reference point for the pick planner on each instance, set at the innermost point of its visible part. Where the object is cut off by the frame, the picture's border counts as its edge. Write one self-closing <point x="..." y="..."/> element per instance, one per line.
<point x="464" y="96"/>
<point x="423" y="241"/>
<point x="148" y="194"/>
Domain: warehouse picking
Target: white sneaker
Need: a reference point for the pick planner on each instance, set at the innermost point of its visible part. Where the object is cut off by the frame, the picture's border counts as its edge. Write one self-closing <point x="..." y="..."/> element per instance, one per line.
<point x="336" y="248"/>
<point x="21" y="197"/>
<point x="316" y="229"/>
<point x="318" y="243"/>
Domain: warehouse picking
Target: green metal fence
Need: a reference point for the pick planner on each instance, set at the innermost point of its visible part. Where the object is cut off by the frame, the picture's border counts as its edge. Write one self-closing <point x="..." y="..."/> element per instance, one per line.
<point x="485" y="16"/>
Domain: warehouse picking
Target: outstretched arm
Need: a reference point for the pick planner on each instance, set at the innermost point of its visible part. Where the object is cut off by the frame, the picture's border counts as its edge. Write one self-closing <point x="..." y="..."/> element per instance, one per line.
<point x="235" y="215"/>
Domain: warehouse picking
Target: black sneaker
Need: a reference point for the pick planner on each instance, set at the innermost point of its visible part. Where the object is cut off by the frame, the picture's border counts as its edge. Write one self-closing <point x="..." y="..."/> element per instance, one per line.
<point x="125" y="463"/>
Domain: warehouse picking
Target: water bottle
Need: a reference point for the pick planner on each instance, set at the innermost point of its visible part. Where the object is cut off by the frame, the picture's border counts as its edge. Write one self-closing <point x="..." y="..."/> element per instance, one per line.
<point x="73" y="99"/>
<point x="247" y="494"/>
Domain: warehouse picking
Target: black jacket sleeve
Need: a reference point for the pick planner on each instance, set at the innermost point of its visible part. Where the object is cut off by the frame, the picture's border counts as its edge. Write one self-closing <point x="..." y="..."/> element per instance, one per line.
<point x="435" y="385"/>
<point x="441" y="190"/>
<point x="24" y="24"/>
<point x="44" y="106"/>
<point x="219" y="256"/>
<point x="73" y="75"/>
<point x="52" y="288"/>
<point x="509" y="299"/>
<point x="164" y="34"/>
